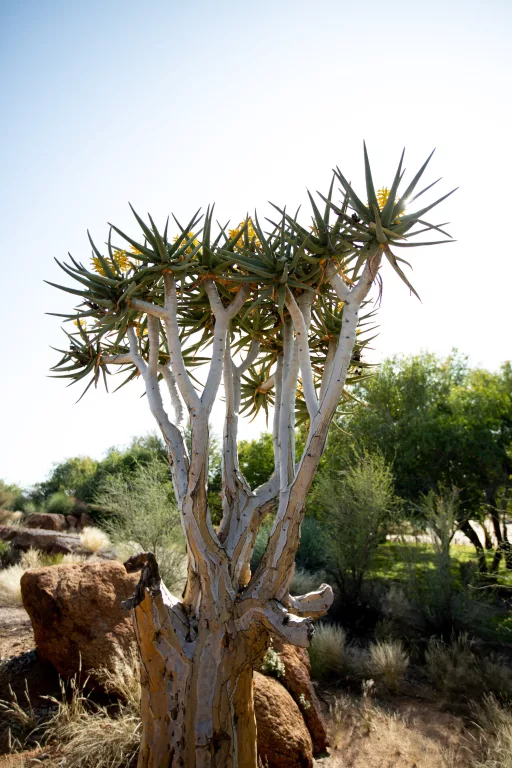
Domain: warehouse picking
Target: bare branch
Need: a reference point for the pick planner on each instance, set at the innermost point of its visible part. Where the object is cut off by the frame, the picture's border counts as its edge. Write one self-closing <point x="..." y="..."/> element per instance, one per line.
<point x="146" y="306"/>
<point x="287" y="407"/>
<point x="277" y="620"/>
<point x="302" y="342"/>
<point x="173" y="392"/>
<point x="179" y="370"/>
<point x="341" y="288"/>
<point x="313" y="604"/>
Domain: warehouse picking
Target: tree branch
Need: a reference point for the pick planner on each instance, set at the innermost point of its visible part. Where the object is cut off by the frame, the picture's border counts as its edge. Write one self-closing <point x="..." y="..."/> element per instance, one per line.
<point x="277" y="620"/>
<point x="302" y="342"/>
<point x="274" y="572"/>
<point x="313" y="604"/>
<point x="179" y="370"/>
<point x="147" y="307"/>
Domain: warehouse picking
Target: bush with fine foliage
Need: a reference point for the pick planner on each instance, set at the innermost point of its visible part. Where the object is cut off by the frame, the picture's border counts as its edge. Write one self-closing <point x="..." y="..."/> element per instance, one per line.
<point x="139" y="511"/>
<point x="357" y="506"/>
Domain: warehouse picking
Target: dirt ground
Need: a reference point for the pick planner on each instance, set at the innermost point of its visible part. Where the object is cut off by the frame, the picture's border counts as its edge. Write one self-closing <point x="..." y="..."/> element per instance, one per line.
<point x="406" y="732"/>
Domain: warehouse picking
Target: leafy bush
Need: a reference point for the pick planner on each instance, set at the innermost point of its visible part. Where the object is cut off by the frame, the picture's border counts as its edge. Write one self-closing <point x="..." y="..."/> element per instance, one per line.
<point x="59" y="503"/>
<point x="311" y="554"/>
<point x="357" y="504"/>
<point x="9" y="496"/>
<point x="140" y="511"/>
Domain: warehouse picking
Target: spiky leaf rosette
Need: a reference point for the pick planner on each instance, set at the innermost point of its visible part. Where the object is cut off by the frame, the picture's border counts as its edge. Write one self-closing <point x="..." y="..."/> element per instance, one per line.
<point x="285" y="254"/>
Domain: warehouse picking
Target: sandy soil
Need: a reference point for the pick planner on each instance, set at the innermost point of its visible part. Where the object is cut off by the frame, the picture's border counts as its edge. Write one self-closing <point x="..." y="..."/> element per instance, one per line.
<point x="16" y="633"/>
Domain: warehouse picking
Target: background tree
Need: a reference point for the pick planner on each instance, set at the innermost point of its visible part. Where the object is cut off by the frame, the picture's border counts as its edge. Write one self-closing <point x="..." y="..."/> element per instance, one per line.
<point x="273" y="314"/>
<point x="441" y="425"/>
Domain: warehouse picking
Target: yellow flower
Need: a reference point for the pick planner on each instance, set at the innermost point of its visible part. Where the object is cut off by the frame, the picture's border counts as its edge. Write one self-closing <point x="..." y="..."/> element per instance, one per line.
<point x="195" y="242"/>
<point x="80" y="324"/>
<point x="250" y="234"/>
<point x="382" y="198"/>
<point x="135" y="250"/>
<point x="120" y="258"/>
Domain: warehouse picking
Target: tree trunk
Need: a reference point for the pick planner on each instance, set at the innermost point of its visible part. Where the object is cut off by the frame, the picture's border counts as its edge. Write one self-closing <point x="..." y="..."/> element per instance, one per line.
<point x="197" y="700"/>
<point x="472" y="535"/>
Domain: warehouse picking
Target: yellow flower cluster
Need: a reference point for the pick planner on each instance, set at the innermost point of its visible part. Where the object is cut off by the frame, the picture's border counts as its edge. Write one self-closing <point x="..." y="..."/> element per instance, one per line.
<point x="120" y="258"/>
<point x="251" y="234"/>
<point x="382" y="198"/>
<point x="194" y="244"/>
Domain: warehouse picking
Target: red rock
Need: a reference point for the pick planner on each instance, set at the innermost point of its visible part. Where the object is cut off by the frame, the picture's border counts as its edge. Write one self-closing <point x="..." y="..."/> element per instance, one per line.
<point x="77" y="616"/>
<point x="50" y="542"/>
<point x="48" y="521"/>
<point x="283" y="739"/>
<point x="297" y="681"/>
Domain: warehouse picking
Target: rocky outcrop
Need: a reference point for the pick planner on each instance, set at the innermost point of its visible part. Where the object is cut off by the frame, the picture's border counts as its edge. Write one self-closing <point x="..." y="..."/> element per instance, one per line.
<point x="283" y="739"/>
<point x="77" y="616"/>
<point x="297" y="681"/>
<point x="50" y="542"/>
<point x="46" y="520"/>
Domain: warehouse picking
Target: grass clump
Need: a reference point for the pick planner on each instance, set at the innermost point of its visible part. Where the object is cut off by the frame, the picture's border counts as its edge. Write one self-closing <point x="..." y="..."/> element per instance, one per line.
<point x="457" y="668"/>
<point x="327" y="652"/>
<point x="495" y="720"/>
<point x="10" y="589"/>
<point x="387" y="663"/>
<point x="94" y="539"/>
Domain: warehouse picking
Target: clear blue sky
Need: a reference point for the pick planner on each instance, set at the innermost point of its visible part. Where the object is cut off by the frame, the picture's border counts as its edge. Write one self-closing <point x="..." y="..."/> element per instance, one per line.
<point x="174" y="105"/>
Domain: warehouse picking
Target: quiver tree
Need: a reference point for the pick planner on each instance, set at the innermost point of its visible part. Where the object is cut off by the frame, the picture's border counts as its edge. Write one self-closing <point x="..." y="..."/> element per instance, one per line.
<point x="273" y="314"/>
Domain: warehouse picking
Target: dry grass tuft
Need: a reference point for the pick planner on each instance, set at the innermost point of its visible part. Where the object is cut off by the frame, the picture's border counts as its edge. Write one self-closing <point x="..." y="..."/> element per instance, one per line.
<point x="457" y="669"/>
<point x="32" y="558"/>
<point x="10" y="589"/>
<point x="92" y="735"/>
<point x="327" y="652"/>
<point x="495" y="721"/>
<point x="94" y="539"/>
<point x="73" y="558"/>
<point x="387" y="662"/>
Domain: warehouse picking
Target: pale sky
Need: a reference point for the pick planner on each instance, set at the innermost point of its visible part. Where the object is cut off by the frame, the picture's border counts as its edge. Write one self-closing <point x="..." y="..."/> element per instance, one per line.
<point x="171" y="106"/>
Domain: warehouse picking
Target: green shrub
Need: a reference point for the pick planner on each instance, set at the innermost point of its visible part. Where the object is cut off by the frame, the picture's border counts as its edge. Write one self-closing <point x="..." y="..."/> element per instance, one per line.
<point x="358" y="504"/>
<point x="139" y="512"/>
<point x="59" y="503"/>
<point x="311" y="554"/>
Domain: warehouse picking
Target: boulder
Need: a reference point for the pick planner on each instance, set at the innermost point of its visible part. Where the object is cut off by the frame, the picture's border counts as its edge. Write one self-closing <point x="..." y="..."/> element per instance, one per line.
<point x="283" y="739"/>
<point x="297" y="681"/>
<point x="77" y="616"/>
<point x="50" y="542"/>
<point x="49" y="521"/>
<point x="85" y="520"/>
